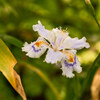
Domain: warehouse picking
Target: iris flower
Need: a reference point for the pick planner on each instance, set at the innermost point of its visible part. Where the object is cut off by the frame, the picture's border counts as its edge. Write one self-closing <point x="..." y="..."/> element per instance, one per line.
<point x="61" y="48"/>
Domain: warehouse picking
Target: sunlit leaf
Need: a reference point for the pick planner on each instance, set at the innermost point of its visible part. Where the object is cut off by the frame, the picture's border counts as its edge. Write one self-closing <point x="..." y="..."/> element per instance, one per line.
<point x="7" y="62"/>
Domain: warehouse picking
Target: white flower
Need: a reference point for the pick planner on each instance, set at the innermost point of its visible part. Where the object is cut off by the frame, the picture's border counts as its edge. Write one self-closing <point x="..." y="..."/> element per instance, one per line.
<point x="61" y="48"/>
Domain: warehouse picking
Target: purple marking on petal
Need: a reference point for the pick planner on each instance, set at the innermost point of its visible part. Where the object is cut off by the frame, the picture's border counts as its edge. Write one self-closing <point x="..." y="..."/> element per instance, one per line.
<point x="35" y="49"/>
<point x="70" y="65"/>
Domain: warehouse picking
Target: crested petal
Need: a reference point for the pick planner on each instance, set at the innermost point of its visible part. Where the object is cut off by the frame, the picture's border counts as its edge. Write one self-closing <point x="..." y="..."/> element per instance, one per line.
<point x="67" y="71"/>
<point x="35" y="49"/>
<point x="53" y="56"/>
<point x="70" y="64"/>
<point x="77" y="66"/>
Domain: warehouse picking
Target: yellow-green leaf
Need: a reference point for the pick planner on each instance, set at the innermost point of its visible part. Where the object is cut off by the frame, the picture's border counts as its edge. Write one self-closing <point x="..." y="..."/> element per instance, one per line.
<point x="7" y="62"/>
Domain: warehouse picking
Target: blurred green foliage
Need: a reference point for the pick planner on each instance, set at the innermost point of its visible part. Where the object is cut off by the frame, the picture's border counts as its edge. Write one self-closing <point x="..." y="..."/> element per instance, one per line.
<point x="16" y="20"/>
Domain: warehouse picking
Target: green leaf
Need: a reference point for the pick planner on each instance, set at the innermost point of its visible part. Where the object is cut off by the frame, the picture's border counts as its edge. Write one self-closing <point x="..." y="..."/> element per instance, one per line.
<point x="44" y="77"/>
<point x="7" y="62"/>
<point x="12" y="40"/>
<point x="91" y="73"/>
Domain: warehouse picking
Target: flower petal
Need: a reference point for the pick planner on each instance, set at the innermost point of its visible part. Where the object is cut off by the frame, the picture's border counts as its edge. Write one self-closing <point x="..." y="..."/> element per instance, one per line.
<point x="27" y="47"/>
<point x="49" y="35"/>
<point x="53" y="56"/>
<point x="77" y="66"/>
<point x="69" y="65"/>
<point x="60" y="32"/>
<point x="35" y="49"/>
<point x="41" y="30"/>
<point x="67" y="71"/>
<point x="56" y="37"/>
<point x="74" y="43"/>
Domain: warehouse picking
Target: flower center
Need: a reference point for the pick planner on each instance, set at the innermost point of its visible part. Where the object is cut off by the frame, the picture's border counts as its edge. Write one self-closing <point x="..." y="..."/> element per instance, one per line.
<point x="63" y="31"/>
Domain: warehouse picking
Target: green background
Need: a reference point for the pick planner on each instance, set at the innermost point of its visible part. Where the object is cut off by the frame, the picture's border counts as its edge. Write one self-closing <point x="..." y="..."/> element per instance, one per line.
<point x="16" y="20"/>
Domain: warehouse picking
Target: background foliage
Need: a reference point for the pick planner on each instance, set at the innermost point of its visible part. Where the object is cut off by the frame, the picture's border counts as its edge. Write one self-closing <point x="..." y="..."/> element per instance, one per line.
<point x="16" y="20"/>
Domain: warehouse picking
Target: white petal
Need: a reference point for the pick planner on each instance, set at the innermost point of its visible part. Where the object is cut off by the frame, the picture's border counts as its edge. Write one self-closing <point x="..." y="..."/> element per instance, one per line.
<point x="34" y="54"/>
<point x="53" y="56"/>
<point x="33" y="50"/>
<point x="67" y="71"/>
<point x="27" y="47"/>
<point x="41" y="30"/>
<point x="57" y="37"/>
<point x="77" y="67"/>
<point x="68" y="66"/>
<point x="60" y="32"/>
<point x="75" y="43"/>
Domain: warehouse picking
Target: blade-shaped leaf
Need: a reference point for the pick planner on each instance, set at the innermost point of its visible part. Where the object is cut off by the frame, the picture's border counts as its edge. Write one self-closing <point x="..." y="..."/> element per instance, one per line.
<point x="11" y="40"/>
<point x="7" y="62"/>
<point x="88" y="80"/>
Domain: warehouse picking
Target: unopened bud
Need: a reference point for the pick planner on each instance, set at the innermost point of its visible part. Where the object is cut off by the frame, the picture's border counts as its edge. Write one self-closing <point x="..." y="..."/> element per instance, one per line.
<point x="87" y="1"/>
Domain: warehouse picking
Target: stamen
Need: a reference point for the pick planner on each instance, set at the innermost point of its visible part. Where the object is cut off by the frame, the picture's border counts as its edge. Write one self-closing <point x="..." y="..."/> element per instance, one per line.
<point x="63" y="31"/>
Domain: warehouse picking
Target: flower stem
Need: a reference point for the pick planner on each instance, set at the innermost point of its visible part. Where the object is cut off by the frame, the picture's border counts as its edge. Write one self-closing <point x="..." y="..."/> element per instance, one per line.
<point x="44" y="77"/>
<point x="92" y="11"/>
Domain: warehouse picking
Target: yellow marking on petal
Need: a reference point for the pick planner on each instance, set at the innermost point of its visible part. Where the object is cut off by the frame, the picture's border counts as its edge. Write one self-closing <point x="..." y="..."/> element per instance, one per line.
<point x="39" y="43"/>
<point x="70" y="56"/>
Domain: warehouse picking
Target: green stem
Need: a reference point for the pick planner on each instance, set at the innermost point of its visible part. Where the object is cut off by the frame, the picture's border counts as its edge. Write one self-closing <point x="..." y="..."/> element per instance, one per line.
<point x="97" y="21"/>
<point x="44" y="77"/>
<point x="92" y="11"/>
